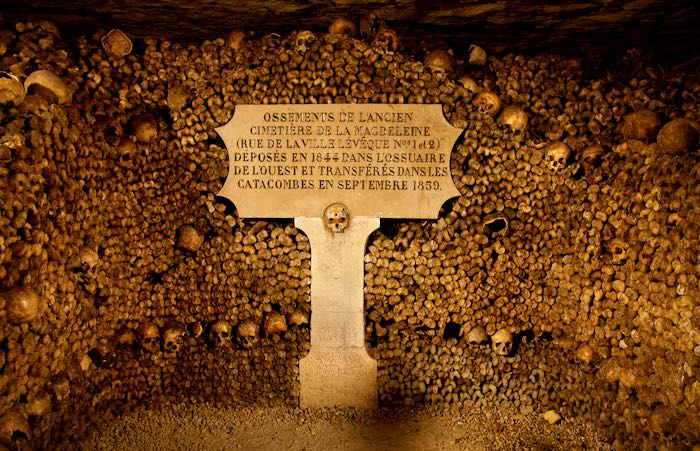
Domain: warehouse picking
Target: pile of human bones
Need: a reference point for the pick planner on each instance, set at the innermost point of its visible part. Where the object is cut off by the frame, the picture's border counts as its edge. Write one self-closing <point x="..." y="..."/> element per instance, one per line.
<point x="565" y="276"/>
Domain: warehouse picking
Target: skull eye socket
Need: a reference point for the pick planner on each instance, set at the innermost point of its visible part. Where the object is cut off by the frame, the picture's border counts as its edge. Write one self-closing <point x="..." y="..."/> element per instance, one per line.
<point x="224" y="334"/>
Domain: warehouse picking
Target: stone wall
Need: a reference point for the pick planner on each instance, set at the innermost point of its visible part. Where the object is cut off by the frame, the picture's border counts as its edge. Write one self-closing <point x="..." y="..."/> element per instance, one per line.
<point x="587" y="261"/>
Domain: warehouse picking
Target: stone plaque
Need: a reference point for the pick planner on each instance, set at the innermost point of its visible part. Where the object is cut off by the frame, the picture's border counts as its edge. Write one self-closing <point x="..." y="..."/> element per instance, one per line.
<point x="380" y="160"/>
<point x="337" y="169"/>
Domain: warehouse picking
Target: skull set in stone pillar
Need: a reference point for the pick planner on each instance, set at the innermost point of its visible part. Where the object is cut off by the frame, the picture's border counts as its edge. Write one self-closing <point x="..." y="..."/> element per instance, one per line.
<point x="336" y="217"/>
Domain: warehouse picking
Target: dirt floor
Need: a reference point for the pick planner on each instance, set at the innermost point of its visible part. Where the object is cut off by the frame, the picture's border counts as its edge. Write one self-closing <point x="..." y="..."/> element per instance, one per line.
<point x="209" y="428"/>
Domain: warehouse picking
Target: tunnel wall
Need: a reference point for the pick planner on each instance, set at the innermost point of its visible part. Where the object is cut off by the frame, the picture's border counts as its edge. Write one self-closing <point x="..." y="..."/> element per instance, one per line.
<point x="110" y="217"/>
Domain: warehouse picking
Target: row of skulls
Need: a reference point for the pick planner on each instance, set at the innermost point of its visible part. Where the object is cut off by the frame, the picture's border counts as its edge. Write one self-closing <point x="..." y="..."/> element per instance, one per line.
<point x="505" y="343"/>
<point x="151" y="338"/>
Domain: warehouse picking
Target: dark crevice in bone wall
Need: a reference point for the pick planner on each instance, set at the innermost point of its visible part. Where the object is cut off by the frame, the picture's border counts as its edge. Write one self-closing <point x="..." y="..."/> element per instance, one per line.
<point x="564" y="277"/>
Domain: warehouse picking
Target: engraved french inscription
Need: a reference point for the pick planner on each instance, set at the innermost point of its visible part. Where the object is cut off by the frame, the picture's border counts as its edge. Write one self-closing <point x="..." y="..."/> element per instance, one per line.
<point x="380" y="160"/>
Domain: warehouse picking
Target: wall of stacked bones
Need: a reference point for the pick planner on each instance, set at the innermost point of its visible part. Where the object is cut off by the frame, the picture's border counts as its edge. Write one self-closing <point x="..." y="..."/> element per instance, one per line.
<point x="564" y="277"/>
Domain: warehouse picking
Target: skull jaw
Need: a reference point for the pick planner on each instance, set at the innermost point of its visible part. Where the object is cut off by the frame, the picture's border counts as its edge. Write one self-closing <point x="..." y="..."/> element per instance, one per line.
<point x="503" y="349"/>
<point x="248" y="342"/>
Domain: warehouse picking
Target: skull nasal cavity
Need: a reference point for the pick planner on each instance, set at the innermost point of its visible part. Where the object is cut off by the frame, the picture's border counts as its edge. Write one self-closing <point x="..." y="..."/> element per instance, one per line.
<point x="19" y="435"/>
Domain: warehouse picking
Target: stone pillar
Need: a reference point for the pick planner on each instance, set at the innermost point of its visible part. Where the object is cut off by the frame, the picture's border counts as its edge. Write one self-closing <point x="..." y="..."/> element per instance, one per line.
<point x="338" y="371"/>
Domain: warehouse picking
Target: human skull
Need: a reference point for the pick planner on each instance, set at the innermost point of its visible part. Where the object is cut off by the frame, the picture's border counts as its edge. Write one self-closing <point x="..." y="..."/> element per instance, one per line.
<point x="342" y="25"/>
<point x="616" y="250"/>
<point x="104" y="352"/>
<point x="125" y="339"/>
<point x="14" y="429"/>
<point x="557" y="155"/>
<point x="387" y="39"/>
<point x="678" y="136"/>
<point x="488" y="102"/>
<point x="11" y="89"/>
<point x="89" y="258"/>
<point x="49" y="86"/>
<point x="439" y="60"/>
<point x="235" y="39"/>
<point x="585" y="354"/>
<point x="591" y="156"/>
<point x="469" y="84"/>
<point x="59" y="387"/>
<point x="116" y="43"/>
<point x="248" y="334"/>
<point x="22" y="305"/>
<point x="127" y="152"/>
<point x="178" y="97"/>
<point x="149" y="337"/>
<point x="274" y="324"/>
<point x="370" y="24"/>
<point x="196" y="329"/>
<point x="144" y="127"/>
<point x="173" y="336"/>
<point x="297" y="318"/>
<point x="304" y="40"/>
<point x="642" y="125"/>
<point x="188" y="238"/>
<point x="477" y="335"/>
<point x="477" y="55"/>
<point x="514" y="119"/>
<point x="39" y="404"/>
<point x="336" y="217"/>
<point x="502" y="342"/>
<point x="220" y="333"/>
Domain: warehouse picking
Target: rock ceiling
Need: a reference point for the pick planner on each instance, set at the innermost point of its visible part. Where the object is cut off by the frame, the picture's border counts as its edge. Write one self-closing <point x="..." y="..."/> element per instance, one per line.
<point x="663" y="28"/>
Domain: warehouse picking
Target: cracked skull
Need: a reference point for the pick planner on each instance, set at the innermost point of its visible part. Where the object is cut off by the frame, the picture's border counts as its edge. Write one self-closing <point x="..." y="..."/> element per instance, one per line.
<point x="220" y="333"/>
<point x="173" y="337"/>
